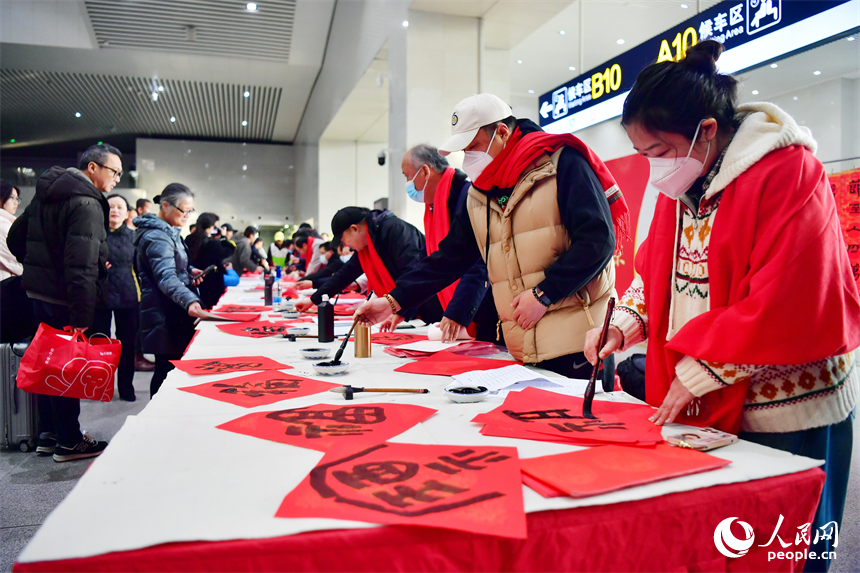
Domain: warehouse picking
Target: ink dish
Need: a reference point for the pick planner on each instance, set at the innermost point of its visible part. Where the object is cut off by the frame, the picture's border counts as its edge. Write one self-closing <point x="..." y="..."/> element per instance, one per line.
<point x="466" y="394"/>
<point x="329" y="368"/>
<point x="315" y="353"/>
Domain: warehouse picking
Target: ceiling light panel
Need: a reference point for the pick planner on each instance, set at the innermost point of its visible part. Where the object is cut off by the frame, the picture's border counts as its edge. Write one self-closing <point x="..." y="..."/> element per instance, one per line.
<point x="117" y="104"/>
<point x="220" y="27"/>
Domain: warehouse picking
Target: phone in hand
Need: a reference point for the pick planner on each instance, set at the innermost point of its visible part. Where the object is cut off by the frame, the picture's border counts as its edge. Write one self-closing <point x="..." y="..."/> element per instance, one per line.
<point x="208" y="270"/>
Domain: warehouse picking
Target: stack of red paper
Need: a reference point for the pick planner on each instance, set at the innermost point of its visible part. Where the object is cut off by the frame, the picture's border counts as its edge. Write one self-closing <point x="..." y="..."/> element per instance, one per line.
<point x="472" y="348"/>
<point x="595" y="471"/>
<point x="446" y="363"/>
<point x="535" y="414"/>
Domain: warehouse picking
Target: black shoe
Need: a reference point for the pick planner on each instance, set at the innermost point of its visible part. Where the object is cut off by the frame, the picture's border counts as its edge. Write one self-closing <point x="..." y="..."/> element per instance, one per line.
<point x="46" y="444"/>
<point x="128" y="398"/>
<point x="86" y="448"/>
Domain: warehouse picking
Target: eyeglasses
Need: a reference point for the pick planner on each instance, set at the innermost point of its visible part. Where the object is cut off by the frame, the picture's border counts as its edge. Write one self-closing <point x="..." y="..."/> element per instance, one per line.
<point x="186" y="213"/>
<point x="116" y="174"/>
<point x="14" y="198"/>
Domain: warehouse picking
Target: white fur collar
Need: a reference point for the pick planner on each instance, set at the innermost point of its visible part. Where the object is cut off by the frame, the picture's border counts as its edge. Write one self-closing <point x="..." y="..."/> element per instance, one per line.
<point x="764" y="128"/>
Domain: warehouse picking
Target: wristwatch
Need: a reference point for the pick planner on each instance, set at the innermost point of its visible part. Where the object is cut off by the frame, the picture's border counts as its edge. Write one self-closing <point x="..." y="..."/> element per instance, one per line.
<point x="541" y="297"/>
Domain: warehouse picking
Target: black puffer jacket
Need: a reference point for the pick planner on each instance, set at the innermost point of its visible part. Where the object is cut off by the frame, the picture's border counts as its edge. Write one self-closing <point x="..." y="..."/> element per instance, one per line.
<point x="166" y="293"/>
<point x="400" y="246"/>
<point x="62" y="241"/>
<point x="121" y="286"/>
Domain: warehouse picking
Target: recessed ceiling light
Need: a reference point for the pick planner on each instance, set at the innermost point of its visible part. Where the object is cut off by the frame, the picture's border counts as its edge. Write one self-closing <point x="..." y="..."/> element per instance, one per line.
<point x="619" y="41"/>
<point x="816" y="73"/>
<point x="161" y="88"/>
<point x="251" y="7"/>
<point x="795" y="98"/>
<point x="755" y="92"/>
<point x="244" y="123"/>
<point x="684" y="6"/>
<point x="572" y="68"/>
<point x="172" y="119"/>
<point x="561" y="32"/>
<point x="405" y="23"/>
<point x="247" y="94"/>
<point x="244" y="168"/>
<point x="77" y="114"/>
<point x="850" y="38"/>
<point x="519" y="61"/>
<point x="531" y="91"/>
<point x="774" y="65"/>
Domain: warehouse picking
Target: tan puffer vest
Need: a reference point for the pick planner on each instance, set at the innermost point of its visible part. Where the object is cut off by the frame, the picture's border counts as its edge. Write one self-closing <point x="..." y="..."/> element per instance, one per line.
<point x="526" y="238"/>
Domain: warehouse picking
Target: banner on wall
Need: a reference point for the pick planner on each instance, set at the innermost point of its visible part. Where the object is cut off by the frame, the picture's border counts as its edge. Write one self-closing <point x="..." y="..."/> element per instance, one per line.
<point x="846" y="191"/>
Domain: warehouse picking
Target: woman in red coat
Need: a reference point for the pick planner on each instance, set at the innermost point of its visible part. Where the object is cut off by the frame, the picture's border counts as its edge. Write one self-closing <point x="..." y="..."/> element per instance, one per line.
<point x="744" y="291"/>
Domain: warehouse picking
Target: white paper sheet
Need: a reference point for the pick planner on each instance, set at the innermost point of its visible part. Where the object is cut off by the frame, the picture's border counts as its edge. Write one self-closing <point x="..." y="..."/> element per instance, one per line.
<point x="429" y="345"/>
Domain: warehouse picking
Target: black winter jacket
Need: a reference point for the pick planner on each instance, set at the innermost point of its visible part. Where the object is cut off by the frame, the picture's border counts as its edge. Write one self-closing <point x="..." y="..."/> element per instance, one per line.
<point x="212" y="252"/>
<point x="121" y="284"/>
<point x="62" y="241"/>
<point x="400" y="246"/>
<point x="166" y="293"/>
<point x="319" y="277"/>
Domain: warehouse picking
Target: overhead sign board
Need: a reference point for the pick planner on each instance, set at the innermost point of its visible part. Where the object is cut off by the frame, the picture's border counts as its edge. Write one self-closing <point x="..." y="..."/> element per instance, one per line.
<point x="752" y="31"/>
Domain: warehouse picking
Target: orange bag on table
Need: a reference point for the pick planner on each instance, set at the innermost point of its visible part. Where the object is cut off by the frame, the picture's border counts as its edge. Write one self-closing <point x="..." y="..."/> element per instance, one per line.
<point x="59" y="363"/>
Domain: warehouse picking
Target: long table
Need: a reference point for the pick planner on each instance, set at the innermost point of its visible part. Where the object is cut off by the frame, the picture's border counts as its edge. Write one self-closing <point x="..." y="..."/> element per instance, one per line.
<point x="172" y="492"/>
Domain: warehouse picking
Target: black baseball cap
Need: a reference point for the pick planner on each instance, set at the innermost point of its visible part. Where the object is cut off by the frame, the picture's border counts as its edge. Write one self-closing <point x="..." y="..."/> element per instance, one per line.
<point x="228" y="227"/>
<point x="344" y="218"/>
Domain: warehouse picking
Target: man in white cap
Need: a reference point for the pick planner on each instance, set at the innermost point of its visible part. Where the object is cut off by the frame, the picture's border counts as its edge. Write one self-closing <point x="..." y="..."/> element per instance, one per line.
<point x="543" y="212"/>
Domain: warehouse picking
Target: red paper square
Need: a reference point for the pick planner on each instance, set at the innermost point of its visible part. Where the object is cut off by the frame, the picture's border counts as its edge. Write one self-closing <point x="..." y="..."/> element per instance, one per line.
<point x="261" y="329"/>
<point x="323" y="427"/>
<point x="241" y="308"/>
<point x="465" y="488"/>
<point x="609" y="468"/>
<point x="227" y="365"/>
<point x="238" y="316"/>
<point x="260" y="388"/>
<point x="535" y="414"/>
<point x="449" y="364"/>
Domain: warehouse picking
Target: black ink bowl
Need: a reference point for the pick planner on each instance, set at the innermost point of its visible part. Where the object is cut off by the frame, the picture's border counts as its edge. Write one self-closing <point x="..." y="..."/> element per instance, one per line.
<point x="466" y="394"/>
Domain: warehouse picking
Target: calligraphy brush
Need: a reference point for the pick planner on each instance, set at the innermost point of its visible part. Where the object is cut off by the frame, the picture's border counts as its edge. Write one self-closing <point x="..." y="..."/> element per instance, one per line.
<point x="589" y="390"/>
<point x="348" y="391"/>
<point x="346" y="339"/>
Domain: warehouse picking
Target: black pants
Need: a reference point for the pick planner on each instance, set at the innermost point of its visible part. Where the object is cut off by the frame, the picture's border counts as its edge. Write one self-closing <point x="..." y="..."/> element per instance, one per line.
<point x="126" y="332"/>
<point x="57" y="414"/>
<point x="162" y="368"/>
<point x="576" y="366"/>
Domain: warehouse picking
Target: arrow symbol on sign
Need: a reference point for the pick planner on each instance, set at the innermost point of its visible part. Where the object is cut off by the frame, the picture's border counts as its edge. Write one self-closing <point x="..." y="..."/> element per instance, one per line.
<point x="545" y="108"/>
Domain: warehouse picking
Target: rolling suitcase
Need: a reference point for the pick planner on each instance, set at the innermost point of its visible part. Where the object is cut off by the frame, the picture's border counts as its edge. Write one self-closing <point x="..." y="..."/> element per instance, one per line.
<point x="18" y="412"/>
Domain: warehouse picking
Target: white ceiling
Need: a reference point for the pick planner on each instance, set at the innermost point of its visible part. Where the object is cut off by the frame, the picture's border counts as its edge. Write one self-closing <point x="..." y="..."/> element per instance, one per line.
<point x="60" y="37"/>
<point x="363" y="117"/>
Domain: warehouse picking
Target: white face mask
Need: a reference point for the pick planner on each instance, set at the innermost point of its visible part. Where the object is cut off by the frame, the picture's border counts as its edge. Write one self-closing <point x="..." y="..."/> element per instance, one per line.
<point x="476" y="161"/>
<point x="673" y="176"/>
<point x="345" y="258"/>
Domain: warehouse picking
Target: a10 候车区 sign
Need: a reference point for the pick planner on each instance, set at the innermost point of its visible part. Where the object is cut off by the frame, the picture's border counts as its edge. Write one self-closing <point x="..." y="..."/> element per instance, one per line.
<point x="732" y="23"/>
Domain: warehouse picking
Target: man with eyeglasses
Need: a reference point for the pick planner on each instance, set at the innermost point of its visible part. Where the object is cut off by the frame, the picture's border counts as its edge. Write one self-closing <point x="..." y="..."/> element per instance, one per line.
<point x="62" y="241"/>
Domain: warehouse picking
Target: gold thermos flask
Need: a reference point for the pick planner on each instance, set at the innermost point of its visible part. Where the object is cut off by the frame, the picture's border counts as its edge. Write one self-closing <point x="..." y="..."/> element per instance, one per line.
<point x="362" y="342"/>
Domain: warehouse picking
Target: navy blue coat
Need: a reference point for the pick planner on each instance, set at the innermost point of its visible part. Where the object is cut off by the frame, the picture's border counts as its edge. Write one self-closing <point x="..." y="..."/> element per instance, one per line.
<point x="166" y="291"/>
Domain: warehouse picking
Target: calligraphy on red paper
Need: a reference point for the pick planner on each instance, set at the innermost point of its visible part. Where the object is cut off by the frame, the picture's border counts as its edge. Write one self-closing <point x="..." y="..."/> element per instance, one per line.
<point x="260" y="389"/>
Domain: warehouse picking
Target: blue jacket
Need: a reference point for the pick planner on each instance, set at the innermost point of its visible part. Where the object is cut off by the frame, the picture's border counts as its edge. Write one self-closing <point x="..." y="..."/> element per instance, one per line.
<point x="161" y="260"/>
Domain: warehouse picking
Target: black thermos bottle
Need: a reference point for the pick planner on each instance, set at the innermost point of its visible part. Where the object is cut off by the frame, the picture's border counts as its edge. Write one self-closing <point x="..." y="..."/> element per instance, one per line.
<point x="325" y="320"/>
<point x="267" y="290"/>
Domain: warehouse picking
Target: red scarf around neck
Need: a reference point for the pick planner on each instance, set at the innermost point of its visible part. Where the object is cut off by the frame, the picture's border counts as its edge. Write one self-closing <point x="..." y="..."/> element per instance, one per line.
<point x="378" y="278"/>
<point x="521" y="151"/>
<point x="437" y="223"/>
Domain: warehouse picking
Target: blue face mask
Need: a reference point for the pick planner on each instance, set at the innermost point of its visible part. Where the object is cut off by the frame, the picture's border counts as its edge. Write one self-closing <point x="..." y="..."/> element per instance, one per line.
<point x="345" y="258"/>
<point x="414" y="193"/>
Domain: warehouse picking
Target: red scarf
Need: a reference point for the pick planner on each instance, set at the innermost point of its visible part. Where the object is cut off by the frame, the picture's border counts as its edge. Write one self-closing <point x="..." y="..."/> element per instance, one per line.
<point x="521" y="152"/>
<point x="781" y="287"/>
<point x="437" y="223"/>
<point x="378" y="278"/>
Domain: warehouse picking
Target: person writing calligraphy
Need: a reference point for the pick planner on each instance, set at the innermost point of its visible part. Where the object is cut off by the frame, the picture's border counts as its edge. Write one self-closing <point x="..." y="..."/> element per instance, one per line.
<point x="385" y="248"/>
<point x="443" y="190"/>
<point x="744" y="290"/>
<point x="542" y="212"/>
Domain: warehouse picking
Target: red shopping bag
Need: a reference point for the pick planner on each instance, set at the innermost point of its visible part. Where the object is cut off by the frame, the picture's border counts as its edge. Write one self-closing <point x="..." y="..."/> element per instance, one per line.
<point x="58" y="363"/>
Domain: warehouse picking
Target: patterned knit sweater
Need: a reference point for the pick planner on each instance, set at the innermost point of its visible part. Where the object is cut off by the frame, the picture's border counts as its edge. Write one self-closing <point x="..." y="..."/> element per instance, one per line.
<point x="780" y="398"/>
